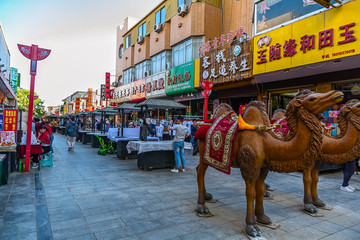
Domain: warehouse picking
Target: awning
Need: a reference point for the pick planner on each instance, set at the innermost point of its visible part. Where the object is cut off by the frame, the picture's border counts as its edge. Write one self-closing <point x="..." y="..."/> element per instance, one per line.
<point x="160" y="104"/>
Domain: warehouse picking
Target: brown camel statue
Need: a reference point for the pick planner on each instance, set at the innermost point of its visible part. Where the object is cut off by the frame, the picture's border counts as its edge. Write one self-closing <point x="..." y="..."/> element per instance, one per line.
<point x="258" y="152"/>
<point x="335" y="150"/>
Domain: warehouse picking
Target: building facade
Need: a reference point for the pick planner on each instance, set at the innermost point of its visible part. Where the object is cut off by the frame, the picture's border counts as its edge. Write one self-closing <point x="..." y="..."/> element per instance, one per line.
<point x="305" y="46"/>
<point x="161" y="55"/>
<point x="7" y="95"/>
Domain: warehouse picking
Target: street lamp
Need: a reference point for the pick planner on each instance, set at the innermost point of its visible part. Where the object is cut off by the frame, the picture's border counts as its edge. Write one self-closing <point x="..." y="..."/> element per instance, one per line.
<point x="34" y="54"/>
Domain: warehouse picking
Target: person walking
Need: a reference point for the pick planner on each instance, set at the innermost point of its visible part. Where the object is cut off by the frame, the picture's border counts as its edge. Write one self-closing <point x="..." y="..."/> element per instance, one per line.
<point x="348" y="172"/>
<point x="71" y="133"/>
<point x="179" y="138"/>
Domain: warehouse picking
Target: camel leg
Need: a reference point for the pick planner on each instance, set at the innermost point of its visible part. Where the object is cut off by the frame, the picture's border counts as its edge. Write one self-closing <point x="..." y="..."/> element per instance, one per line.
<point x="251" y="227"/>
<point x="201" y="170"/>
<point x="308" y="205"/>
<point x="259" y="206"/>
<point x="315" y="179"/>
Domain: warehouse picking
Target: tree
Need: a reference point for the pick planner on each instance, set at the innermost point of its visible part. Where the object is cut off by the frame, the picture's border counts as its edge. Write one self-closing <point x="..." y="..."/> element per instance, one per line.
<point x="23" y="103"/>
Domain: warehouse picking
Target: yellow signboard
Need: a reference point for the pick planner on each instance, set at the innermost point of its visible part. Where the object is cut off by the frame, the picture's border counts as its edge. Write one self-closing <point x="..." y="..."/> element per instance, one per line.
<point x="325" y="36"/>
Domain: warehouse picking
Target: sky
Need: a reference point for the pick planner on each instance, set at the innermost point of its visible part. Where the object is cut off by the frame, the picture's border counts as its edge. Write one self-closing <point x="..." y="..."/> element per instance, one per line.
<point x="80" y="33"/>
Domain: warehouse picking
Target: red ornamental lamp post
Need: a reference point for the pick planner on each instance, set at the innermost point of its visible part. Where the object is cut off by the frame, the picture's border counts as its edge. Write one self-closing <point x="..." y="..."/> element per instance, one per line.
<point x="34" y="54"/>
<point x="207" y="86"/>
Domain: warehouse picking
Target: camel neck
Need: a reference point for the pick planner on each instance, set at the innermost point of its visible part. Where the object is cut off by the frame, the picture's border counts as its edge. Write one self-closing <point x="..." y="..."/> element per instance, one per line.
<point x="348" y="139"/>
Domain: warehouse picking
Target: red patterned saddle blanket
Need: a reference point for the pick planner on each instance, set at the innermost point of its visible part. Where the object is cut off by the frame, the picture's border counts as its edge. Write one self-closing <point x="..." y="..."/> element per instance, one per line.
<point x="219" y="142"/>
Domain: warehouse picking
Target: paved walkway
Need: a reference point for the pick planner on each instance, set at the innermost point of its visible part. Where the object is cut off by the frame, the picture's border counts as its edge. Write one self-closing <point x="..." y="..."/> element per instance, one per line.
<point x="87" y="196"/>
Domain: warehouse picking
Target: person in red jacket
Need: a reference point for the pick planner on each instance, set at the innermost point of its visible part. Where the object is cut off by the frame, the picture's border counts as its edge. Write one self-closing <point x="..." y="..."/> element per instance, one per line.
<point x="44" y="140"/>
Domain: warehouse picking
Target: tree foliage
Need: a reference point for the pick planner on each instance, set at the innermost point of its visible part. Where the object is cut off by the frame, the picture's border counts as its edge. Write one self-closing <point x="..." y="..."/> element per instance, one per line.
<point x="23" y="103"/>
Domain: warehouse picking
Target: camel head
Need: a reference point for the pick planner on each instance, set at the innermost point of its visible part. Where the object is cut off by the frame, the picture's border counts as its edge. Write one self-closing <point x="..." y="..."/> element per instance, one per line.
<point x="316" y="103"/>
<point x="350" y="112"/>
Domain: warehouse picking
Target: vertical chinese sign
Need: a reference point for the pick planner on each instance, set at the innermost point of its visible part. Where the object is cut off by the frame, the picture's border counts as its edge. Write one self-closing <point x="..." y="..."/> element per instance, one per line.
<point x="77" y="105"/>
<point x="8" y="135"/>
<point x="103" y="92"/>
<point x="107" y="85"/>
<point x="89" y="103"/>
<point x="65" y="108"/>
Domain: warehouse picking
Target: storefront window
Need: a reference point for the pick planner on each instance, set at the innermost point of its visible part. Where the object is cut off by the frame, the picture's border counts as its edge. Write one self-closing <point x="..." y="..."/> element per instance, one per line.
<point x="127" y="76"/>
<point x="271" y="13"/>
<point x="121" y="50"/>
<point x="158" y="62"/>
<point x="160" y="16"/>
<point x="142" y="30"/>
<point x="140" y="70"/>
<point x="128" y="41"/>
<point x="182" y="2"/>
<point x="186" y="51"/>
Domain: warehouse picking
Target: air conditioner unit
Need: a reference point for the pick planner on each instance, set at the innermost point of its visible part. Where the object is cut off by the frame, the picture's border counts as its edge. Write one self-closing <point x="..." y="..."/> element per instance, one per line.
<point x="158" y="27"/>
<point x="147" y="73"/>
<point x="168" y="65"/>
<point x="182" y="10"/>
<point x="140" y="39"/>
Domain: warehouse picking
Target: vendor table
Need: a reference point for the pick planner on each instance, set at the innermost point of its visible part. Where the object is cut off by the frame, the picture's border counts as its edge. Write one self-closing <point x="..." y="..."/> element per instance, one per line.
<point x="153" y="155"/>
<point x="95" y="141"/>
<point x="9" y="164"/>
<point x="3" y="176"/>
<point x="86" y="137"/>
<point x="122" y="152"/>
<point x="35" y="149"/>
<point x="80" y="135"/>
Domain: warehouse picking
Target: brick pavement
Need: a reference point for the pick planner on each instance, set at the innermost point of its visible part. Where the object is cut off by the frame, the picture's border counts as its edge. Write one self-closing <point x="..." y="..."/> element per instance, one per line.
<point x="87" y="196"/>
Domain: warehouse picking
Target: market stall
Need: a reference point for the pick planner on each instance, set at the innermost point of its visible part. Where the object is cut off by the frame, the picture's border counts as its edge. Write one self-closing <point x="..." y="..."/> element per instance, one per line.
<point x="152" y="155"/>
<point x="157" y="104"/>
<point x="105" y="112"/>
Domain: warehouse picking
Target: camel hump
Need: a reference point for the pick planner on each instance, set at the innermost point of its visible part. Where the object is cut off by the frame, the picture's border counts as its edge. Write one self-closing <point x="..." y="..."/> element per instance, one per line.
<point x="221" y="109"/>
<point x="258" y="104"/>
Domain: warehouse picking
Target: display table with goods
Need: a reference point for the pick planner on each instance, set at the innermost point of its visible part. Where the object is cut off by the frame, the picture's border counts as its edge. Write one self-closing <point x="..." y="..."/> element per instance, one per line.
<point x="122" y="142"/>
<point x="8" y="147"/>
<point x="152" y="155"/>
<point x="3" y="178"/>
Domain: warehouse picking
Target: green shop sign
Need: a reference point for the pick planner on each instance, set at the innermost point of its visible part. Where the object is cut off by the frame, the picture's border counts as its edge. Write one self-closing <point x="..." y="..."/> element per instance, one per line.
<point x="180" y="79"/>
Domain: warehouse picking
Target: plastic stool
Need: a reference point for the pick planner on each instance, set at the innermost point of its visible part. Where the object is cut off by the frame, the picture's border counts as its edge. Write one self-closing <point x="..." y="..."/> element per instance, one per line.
<point x="47" y="162"/>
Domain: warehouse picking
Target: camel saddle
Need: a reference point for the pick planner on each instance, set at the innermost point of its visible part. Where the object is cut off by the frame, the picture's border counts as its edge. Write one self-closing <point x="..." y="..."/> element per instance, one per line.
<point x="219" y="142"/>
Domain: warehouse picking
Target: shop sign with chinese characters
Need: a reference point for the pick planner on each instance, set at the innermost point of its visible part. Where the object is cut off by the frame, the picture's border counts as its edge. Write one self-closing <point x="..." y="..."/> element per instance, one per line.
<point x="180" y="79"/>
<point x="77" y="105"/>
<point x="122" y="93"/>
<point x="14" y="79"/>
<point x="326" y="36"/>
<point x="8" y="136"/>
<point x="138" y="90"/>
<point x="155" y="85"/>
<point x="89" y="102"/>
<point x="231" y="64"/>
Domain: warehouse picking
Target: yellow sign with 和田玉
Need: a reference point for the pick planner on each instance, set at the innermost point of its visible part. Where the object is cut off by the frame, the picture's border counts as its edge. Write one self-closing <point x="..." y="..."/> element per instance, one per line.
<point x="325" y="36"/>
